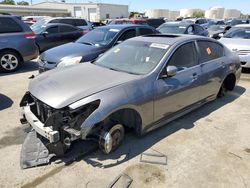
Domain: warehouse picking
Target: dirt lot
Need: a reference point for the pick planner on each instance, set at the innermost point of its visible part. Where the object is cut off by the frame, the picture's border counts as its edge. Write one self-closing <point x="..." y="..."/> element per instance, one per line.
<point x="209" y="147"/>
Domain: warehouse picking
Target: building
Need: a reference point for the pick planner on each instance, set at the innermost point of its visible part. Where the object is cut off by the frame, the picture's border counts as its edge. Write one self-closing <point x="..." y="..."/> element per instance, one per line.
<point x="33" y="11"/>
<point x="89" y="11"/>
<point x="222" y="13"/>
<point x="189" y="12"/>
<point x="165" y="13"/>
<point x="215" y="13"/>
<point x="153" y="13"/>
<point x="231" y="13"/>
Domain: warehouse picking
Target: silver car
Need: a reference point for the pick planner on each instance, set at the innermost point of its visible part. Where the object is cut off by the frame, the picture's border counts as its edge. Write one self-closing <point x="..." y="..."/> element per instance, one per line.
<point x="140" y="84"/>
<point x="238" y="40"/>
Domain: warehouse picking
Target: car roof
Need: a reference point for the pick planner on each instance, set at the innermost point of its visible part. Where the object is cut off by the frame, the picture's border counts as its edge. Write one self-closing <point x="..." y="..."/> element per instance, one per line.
<point x="124" y="26"/>
<point x="243" y="25"/>
<point x="58" y="24"/>
<point x="126" y="19"/>
<point x="168" y="39"/>
<point x="183" y="23"/>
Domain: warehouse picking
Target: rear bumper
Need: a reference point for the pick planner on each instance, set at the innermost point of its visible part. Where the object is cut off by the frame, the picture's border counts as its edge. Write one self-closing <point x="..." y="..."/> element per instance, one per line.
<point x="38" y="126"/>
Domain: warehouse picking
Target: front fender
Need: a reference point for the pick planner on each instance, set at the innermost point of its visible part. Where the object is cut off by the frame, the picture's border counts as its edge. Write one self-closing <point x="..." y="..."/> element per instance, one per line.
<point x="108" y="105"/>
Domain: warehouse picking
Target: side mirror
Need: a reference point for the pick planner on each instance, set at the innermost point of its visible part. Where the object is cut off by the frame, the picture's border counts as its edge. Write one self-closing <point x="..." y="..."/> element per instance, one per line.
<point x="171" y="71"/>
<point x="45" y="33"/>
<point x="118" y="42"/>
<point x="221" y="35"/>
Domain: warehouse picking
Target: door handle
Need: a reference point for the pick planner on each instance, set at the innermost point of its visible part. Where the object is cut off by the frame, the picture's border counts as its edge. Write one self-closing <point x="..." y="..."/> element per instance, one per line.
<point x="223" y="65"/>
<point x="194" y="77"/>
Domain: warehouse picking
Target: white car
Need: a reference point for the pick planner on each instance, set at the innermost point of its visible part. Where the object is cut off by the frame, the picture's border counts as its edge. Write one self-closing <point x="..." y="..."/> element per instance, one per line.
<point x="243" y="26"/>
<point x="237" y="40"/>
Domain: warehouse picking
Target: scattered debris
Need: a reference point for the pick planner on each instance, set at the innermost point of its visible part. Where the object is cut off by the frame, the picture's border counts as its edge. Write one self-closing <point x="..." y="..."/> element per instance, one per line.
<point x="247" y="150"/>
<point x="208" y="120"/>
<point x="34" y="152"/>
<point x="121" y="181"/>
<point x="154" y="158"/>
<point x="235" y="155"/>
<point x="32" y="76"/>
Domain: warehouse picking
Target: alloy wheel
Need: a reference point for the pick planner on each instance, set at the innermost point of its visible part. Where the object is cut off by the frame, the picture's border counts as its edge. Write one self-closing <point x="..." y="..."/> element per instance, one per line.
<point x="9" y="62"/>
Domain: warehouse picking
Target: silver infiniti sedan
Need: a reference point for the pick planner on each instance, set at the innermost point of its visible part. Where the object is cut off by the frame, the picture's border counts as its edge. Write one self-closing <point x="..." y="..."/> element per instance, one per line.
<point x="140" y="84"/>
<point x="238" y="40"/>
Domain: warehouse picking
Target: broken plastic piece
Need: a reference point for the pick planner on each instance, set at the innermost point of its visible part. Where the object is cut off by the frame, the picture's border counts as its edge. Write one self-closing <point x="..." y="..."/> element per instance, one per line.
<point x="34" y="152"/>
<point x="121" y="181"/>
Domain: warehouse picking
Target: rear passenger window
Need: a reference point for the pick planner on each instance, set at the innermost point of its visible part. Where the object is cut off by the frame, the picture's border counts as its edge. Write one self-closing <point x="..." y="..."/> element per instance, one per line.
<point x="8" y="25"/>
<point x="184" y="57"/>
<point x="80" y="22"/>
<point x="127" y="35"/>
<point x="64" y="29"/>
<point x="52" y="30"/>
<point x="55" y="21"/>
<point x="68" y="21"/>
<point x="209" y="51"/>
<point x="145" y="31"/>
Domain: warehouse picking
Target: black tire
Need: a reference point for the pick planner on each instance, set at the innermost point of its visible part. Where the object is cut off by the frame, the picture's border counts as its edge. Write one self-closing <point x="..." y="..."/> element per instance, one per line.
<point x="116" y="133"/>
<point x="222" y="91"/>
<point x="10" y="61"/>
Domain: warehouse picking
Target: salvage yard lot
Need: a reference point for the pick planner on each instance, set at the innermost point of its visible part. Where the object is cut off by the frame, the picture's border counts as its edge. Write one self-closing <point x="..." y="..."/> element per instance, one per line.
<point x="209" y="147"/>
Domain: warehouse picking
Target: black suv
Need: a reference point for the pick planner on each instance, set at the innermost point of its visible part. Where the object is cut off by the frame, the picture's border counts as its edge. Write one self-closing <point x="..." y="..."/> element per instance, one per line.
<point x="17" y="43"/>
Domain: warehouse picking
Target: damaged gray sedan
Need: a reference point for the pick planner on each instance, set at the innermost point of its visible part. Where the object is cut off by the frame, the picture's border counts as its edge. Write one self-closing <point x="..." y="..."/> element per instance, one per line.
<point x="140" y="84"/>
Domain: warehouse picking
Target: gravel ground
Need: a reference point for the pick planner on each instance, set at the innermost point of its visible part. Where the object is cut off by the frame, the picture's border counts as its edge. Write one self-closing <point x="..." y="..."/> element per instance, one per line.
<point x="209" y="147"/>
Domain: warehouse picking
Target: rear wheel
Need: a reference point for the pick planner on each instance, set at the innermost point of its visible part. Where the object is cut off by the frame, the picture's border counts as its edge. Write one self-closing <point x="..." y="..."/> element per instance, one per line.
<point x="222" y="91"/>
<point x="9" y="61"/>
<point x="227" y="85"/>
<point x="112" y="138"/>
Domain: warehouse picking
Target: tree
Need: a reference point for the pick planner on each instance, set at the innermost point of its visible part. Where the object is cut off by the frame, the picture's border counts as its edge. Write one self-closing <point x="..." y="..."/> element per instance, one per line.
<point x="133" y="14"/>
<point x="8" y="2"/>
<point x="198" y="14"/>
<point x="23" y="3"/>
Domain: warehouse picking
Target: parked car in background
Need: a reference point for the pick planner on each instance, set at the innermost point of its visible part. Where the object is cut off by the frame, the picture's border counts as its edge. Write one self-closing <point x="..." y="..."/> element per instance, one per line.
<point x="90" y="46"/>
<point x="238" y="41"/>
<point x="244" y="26"/>
<point x="30" y="20"/>
<point x="17" y="43"/>
<point x="128" y="21"/>
<point x="77" y="22"/>
<point x="52" y="35"/>
<point x="140" y="85"/>
<point x="216" y="31"/>
<point x="182" y="28"/>
<point x="155" y="22"/>
<point x="234" y="22"/>
<point x="199" y="21"/>
<point x="97" y="24"/>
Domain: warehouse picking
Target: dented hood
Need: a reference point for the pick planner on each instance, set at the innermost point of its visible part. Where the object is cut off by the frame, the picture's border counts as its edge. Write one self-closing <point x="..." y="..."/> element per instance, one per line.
<point x="60" y="87"/>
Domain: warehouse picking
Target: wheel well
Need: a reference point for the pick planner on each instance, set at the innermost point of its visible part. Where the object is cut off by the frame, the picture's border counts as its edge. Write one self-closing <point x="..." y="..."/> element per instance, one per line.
<point x="13" y="50"/>
<point x="230" y="81"/>
<point x="38" y="47"/>
<point x="129" y="118"/>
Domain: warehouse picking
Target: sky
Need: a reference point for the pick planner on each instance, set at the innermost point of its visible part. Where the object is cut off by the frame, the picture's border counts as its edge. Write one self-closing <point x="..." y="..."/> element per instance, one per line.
<point x="141" y="5"/>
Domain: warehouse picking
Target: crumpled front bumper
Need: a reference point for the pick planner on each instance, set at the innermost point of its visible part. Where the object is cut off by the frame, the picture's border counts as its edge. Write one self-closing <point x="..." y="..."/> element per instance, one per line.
<point x="38" y="126"/>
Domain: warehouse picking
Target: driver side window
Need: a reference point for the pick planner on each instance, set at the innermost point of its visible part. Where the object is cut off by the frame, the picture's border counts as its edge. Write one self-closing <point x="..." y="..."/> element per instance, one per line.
<point x="184" y="57"/>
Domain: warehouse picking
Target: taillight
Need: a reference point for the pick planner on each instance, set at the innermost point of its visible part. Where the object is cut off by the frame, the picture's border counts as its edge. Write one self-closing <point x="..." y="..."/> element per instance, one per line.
<point x="30" y="35"/>
<point x="85" y="31"/>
